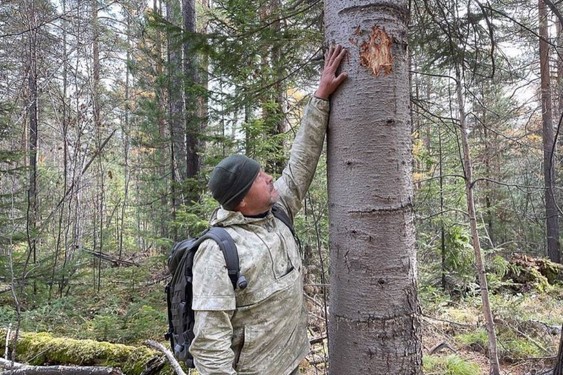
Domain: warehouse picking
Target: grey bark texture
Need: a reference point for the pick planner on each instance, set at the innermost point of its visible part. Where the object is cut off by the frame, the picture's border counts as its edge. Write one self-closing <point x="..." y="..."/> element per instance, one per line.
<point x="374" y="313"/>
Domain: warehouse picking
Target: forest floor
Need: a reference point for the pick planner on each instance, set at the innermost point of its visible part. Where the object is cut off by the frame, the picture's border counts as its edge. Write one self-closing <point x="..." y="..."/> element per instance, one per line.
<point x="528" y="315"/>
<point x="528" y="327"/>
<point x="440" y="343"/>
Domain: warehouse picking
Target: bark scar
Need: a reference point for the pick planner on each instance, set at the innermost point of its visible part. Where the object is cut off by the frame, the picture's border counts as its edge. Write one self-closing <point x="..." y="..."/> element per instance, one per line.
<point x="375" y="53"/>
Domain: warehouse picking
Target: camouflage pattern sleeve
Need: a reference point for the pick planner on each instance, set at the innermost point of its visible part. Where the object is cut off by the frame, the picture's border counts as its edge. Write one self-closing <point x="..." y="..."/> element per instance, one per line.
<point x="212" y="287"/>
<point x="211" y="347"/>
<point x="304" y="157"/>
<point x="213" y="303"/>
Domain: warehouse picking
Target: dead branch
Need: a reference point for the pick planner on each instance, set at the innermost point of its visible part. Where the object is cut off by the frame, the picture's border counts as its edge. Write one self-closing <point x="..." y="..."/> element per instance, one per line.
<point x="116" y="262"/>
<point x="173" y="362"/>
<point x="440" y="346"/>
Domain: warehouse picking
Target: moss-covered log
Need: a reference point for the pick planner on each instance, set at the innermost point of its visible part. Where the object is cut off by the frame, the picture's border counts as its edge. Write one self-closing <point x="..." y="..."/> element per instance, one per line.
<point x="530" y="272"/>
<point x="44" y="349"/>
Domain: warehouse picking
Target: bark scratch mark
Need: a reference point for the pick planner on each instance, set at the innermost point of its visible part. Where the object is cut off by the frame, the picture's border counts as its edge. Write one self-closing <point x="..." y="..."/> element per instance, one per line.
<point x="375" y="53"/>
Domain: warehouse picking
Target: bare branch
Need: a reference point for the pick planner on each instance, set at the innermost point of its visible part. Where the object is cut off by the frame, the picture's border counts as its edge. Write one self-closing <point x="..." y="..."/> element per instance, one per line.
<point x="173" y="362"/>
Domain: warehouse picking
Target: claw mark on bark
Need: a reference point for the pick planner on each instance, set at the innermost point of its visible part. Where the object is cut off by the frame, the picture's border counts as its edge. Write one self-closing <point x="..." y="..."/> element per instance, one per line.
<point x="375" y="53"/>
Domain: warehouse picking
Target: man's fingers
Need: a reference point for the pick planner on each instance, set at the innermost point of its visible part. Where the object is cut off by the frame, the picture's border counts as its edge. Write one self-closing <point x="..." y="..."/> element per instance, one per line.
<point x="335" y="56"/>
<point x="341" y="78"/>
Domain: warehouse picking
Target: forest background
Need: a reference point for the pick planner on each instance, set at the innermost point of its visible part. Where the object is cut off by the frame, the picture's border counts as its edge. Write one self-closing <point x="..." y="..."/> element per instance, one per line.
<point x="112" y="114"/>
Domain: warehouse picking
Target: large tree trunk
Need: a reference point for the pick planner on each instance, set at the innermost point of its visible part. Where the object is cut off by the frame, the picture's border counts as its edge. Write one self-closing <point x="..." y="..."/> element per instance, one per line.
<point x="374" y="312"/>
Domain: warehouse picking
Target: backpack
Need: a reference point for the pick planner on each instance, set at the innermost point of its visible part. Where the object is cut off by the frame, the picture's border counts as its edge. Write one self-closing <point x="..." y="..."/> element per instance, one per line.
<point x="179" y="289"/>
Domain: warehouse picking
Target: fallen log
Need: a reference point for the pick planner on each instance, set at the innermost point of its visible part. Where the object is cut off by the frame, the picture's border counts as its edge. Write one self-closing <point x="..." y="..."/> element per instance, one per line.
<point x="44" y="350"/>
<point x="15" y="368"/>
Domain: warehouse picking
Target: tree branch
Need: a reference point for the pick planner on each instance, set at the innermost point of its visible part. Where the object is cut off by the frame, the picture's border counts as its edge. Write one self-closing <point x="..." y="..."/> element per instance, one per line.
<point x="173" y="362"/>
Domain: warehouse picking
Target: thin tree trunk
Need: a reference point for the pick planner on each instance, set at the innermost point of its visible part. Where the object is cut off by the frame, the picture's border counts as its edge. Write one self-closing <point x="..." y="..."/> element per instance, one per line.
<point x="559" y="24"/>
<point x="61" y="233"/>
<point x="374" y="313"/>
<point x="176" y="113"/>
<point x="192" y="93"/>
<point x="552" y="216"/>
<point x="126" y="148"/>
<point x="272" y="107"/>
<point x="558" y="370"/>
<point x="100" y="178"/>
<point x="479" y="265"/>
<point x="488" y="155"/>
<point x="32" y="114"/>
<point x="442" y="225"/>
<point x="163" y="149"/>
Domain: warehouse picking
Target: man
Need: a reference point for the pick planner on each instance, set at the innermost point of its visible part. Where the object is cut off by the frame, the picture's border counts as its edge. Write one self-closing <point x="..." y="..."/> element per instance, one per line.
<point x="262" y="329"/>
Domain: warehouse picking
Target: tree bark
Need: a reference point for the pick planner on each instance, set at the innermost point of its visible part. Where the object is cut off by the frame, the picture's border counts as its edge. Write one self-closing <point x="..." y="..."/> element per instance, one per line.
<point x="552" y="216"/>
<point x="374" y="313"/>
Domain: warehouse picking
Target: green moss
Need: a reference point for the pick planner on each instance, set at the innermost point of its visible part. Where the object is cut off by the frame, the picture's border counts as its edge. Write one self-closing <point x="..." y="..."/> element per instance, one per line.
<point x="540" y="282"/>
<point x="550" y="270"/>
<point x="42" y="348"/>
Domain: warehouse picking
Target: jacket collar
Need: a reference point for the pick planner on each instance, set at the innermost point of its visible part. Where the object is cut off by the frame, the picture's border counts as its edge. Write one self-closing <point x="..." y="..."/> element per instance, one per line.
<point x="225" y="218"/>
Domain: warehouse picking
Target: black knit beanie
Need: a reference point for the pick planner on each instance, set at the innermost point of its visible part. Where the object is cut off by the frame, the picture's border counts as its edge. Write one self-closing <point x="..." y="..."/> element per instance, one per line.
<point x="231" y="179"/>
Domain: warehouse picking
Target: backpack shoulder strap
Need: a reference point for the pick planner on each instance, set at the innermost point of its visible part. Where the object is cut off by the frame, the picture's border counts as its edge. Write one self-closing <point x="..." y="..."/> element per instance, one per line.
<point x="279" y="213"/>
<point x="230" y="252"/>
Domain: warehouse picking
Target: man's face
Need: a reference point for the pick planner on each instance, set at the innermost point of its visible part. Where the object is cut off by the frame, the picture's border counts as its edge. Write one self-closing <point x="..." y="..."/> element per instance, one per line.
<point x="262" y="194"/>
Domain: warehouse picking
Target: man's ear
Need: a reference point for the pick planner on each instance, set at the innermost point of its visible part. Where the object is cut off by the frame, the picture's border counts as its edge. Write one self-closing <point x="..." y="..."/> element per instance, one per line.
<point x="241" y="205"/>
